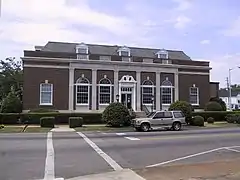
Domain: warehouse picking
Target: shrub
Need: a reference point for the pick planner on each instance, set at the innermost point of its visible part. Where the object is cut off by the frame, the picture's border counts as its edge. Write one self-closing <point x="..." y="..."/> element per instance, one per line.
<point x="42" y="110"/>
<point x="75" y="122"/>
<point x="220" y="101"/>
<point x="213" y="106"/>
<point x="10" y="118"/>
<point x="1" y="126"/>
<point x="185" y="107"/>
<point x="11" y="104"/>
<point x="132" y="113"/>
<point x="231" y="118"/>
<point x="116" y="114"/>
<point x="210" y="120"/>
<point x="198" y="121"/>
<point x="47" y="122"/>
<point x="217" y="115"/>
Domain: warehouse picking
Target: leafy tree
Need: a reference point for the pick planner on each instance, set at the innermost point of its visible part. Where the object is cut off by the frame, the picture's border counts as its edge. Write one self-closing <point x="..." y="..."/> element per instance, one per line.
<point x="213" y="106"/>
<point x="11" y="75"/>
<point x="219" y="101"/>
<point x="11" y="103"/>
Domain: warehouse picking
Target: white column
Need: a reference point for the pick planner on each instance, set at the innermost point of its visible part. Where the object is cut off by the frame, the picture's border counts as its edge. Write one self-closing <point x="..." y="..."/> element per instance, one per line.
<point x="138" y="79"/>
<point x="115" y="85"/>
<point x="176" y="84"/>
<point x="94" y="89"/>
<point x="71" y="89"/>
<point x="158" y="94"/>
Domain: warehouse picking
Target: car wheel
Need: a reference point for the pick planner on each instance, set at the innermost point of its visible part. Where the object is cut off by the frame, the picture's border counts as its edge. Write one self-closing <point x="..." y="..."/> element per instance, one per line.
<point x="145" y="127"/>
<point x="176" y="126"/>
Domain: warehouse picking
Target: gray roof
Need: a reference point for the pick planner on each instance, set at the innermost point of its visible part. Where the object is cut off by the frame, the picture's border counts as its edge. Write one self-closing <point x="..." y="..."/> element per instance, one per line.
<point x="112" y="50"/>
<point x="224" y="93"/>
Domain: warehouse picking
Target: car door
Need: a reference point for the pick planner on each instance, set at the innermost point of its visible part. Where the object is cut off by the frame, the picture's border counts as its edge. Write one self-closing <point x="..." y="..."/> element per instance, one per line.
<point x="168" y="118"/>
<point x="157" y="119"/>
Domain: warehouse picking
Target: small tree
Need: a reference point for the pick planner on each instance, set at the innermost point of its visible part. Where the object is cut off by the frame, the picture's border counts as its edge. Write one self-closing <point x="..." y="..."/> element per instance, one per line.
<point x="11" y="103"/>
<point x="116" y="114"/>
<point x="185" y="107"/>
<point x="213" y="106"/>
<point x="220" y="101"/>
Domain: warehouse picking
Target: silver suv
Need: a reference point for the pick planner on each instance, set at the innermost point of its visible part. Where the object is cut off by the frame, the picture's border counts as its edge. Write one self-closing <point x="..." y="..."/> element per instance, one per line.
<point x="160" y="119"/>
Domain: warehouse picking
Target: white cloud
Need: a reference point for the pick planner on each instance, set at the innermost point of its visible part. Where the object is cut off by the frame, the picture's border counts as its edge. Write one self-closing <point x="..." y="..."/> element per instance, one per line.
<point x="181" y="22"/>
<point x="234" y="29"/>
<point x="206" y="41"/>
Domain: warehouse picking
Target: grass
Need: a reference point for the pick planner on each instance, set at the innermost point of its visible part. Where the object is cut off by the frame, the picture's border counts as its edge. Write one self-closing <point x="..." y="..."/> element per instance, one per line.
<point x="12" y="129"/>
<point x="102" y="128"/>
<point x="220" y="124"/>
<point x="36" y="129"/>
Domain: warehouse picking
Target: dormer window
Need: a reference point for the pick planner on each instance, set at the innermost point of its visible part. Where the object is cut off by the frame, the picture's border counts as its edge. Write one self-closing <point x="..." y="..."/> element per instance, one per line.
<point x="124" y="51"/>
<point x="162" y="54"/>
<point x="82" y="51"/>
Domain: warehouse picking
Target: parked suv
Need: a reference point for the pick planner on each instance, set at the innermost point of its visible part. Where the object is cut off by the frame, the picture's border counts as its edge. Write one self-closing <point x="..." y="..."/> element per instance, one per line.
<point x="160" y="119"/>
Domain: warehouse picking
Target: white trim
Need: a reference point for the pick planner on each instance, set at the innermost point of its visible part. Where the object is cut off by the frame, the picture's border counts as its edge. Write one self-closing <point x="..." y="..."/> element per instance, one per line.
<point x="197" y="73"/>
<point x="46" y="104"/>
<point x="153" y="92"/>
<point x="45" y="66"/>
<point x="195" y="104"/>
<point x="111" y="63"/>
<point x="106" y="85"/>
<point x="171" y="87"/>
<point x="162" y="52"/>
<point x="82" y="46"/>
<point x="125" y="49"/>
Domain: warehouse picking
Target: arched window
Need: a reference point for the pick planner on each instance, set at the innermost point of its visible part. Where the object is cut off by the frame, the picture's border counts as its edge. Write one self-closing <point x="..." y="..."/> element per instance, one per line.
<point x="105" y="90"/>
<point x="82" y="91"/>
<point x="147" y="92"/>
<point x="166" y="92"/>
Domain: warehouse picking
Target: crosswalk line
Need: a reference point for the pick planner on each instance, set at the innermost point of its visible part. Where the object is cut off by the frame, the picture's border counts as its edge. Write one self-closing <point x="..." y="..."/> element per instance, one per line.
<point x="132" y="138"/>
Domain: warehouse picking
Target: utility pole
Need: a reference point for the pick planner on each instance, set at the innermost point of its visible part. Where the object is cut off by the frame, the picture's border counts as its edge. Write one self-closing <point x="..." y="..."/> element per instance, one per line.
<point x="228" y="88"/>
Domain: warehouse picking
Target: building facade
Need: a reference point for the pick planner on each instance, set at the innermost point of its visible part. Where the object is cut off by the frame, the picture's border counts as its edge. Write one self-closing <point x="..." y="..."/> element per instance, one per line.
<point x="234" y="101"/>
<point x="87" y="77"/>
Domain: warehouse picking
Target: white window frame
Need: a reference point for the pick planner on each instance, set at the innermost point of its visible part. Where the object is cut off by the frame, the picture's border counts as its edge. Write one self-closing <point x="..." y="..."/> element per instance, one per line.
<point x="79" y="56"/>
<point x="169" y="87"/>
<point x="106" y="85"/>
<point x="148" y="86"/>
<point x="162" y="52"/>
<point x="190" y="94"/>
<point x="82" y="84"/>
<point x="82" y="46"/>
<point x="124" y="49"/>
<point x="46" y="104"/>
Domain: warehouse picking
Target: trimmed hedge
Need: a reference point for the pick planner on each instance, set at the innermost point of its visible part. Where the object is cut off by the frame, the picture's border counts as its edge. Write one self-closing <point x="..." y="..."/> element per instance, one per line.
<point x="60" y="118"/>
<point x="75" y="122"/>
<point x="47" y="122"/>
<point x="198" y="121"/>
<point x="210" y="120"/>
<point x="217" y="115"/>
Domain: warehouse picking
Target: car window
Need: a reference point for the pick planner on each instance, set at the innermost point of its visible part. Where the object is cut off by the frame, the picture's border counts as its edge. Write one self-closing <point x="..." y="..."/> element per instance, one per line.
<point x="159" y="115"/>
<point x="178" y="114"/>
<point x="167" y="114"/>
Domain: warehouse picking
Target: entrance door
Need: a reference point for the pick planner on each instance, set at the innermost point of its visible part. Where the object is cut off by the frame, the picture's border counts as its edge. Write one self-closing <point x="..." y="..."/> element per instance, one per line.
<point x="126" y="100"/>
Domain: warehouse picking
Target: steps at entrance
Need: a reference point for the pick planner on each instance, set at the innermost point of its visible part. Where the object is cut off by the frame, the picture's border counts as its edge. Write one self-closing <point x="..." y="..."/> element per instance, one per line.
<point x="140" y="114"/>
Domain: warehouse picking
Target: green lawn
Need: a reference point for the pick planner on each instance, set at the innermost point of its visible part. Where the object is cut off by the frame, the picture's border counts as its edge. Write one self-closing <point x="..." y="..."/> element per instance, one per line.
<point x="221" y="124"/>
<point x="36" y="129"/>
<point x="102" y="128"/>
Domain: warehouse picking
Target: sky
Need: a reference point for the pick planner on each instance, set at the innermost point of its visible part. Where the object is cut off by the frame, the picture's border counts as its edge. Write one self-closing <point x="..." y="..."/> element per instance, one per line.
<point x="205" y="30"/>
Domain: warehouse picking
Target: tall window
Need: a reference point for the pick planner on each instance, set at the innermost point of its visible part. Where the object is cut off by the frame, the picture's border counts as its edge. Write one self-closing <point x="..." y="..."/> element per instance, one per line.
<point x="46" y="94"/>
<point x="105" y="87"/>
<point x="147" y="92"/>
<point x="82" y="91"/>
<point x="166" y="92"/>
<point x="194" y="95"/>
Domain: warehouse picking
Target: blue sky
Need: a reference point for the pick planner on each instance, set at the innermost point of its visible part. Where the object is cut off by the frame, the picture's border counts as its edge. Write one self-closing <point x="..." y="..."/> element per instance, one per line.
<point x="205" y="30"/>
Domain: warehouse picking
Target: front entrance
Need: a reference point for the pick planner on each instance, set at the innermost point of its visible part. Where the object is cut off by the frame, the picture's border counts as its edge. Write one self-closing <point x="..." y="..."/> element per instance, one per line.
<point x="126" y="100"/>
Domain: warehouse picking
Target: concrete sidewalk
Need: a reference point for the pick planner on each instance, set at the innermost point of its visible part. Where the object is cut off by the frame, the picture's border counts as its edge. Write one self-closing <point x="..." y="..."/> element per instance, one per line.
<point x="225" y="170"/>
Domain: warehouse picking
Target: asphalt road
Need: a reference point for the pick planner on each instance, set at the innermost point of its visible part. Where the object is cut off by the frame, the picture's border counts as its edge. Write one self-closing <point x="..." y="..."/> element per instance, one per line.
<point x="69" y="154"/>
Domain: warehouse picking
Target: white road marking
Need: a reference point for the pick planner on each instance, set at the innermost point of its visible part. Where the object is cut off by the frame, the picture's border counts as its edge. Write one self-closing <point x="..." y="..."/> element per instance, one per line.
<point x="120" y="134"/>
<point x="185" y="157"/>
<point x="234" y="150"/>
<point x="49" y="163"/>
<point x="132" y="138"/>
<point x="107" y="158"/>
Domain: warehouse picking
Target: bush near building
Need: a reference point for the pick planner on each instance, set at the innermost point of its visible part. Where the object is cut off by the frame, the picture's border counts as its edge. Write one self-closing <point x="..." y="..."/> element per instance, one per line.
<point x="220" y="101"/>
<point x="210" y="120"/>
<point x="185" y="107"/>
<point x="75" y="122"/>
<point x="198" y="121"/>
<point x="47" y="122"/>
<point x="116" y="115"/>
<point x="213" y="106"/>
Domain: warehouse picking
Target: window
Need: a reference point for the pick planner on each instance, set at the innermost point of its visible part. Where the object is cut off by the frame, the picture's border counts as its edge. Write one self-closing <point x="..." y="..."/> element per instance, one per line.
<point x="166" y="92"/>
<point x="168" y="115"/>
<point x="126" y="59"/>
<point x="162" y="54"/>
<point x="82" y="91"/>
<point x="166" y="61"/>
<point x="178" y="114"/>
<point x="159" y="115"/>
<point x="82" y="56"/>
<point x="46" y="94"/>
<point x="82" y="49"/>
<point x="147" y="92"/>
<point x="105" y="58"/>
<point x="147" y="60"/>
<point x="124" y="51"/>
<point x="105" y="91"/>
<point x="194" y="96"/>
